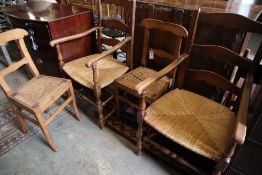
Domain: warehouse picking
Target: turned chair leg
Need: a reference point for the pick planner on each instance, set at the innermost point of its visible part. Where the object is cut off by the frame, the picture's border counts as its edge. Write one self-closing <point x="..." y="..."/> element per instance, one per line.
<point x="139" y="135"/>
<point x="100" y="107"/>
<point x="225" y="160"/>
<point x="21" y="120"/>
<point x="97" y="93"/>
<point x="44" y="128"/>
<point x="73" y="102"/>
<point x="140" y="118"/>
<point x="117" y="102"/>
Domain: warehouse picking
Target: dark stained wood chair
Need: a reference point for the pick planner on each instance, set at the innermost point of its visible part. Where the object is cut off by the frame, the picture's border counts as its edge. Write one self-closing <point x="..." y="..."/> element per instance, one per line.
<point x="195" y="122"/>
<point x="36" y="95"/>
<point x="230" y="31"/>
<point x="98" y="71"/>
<point x="125" y="85"/>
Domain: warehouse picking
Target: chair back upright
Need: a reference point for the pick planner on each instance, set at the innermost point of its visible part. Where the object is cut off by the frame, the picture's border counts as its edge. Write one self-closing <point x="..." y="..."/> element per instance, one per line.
<point x="219" y="54"/>
<point x="120" y="21"/>
<point x="231" y="31"/>
<point x="18" y="35"/>
<point x="152" y="25"/>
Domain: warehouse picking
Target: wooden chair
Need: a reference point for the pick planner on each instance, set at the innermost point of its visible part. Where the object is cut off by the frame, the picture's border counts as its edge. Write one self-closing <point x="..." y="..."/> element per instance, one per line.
<point x="98" y="71"/>
<point x="193" y="121"/>
<point x="125" y="85"/>
<point x="36" y="95"/>
<point x="233" y="35"/>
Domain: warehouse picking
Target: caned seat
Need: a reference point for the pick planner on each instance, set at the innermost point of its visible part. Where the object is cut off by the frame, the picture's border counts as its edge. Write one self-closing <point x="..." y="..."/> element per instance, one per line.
<point x="193" y="121"/>
<point x="37" y="94"/>
<point x="125" y="86"/>
<point x="109" y="69"/>
<point x="39" y="90"/>
<point x="131" y="79"/>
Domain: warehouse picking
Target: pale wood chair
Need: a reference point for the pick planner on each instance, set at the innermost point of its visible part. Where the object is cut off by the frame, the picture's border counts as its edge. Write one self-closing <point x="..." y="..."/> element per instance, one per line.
<point x="36" y="95"/>
<point x="195" y="122"/>
<point x="98" y="71"/>
<point x="125" y="85"/>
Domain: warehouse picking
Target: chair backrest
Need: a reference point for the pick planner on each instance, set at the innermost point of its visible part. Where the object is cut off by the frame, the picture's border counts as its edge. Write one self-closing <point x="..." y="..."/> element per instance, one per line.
<point x="18" y="35"/>
<point x="184" y="17"/>
<point x="228" y="30"/>
<point x="117" y="24"/>
<point x="153" y="25"/>
<point x="218" y="55"/>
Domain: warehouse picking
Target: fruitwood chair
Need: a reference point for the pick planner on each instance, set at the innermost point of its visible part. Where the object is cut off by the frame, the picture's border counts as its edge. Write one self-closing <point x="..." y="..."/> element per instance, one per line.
<point x="193" y="121"/>
<point x="36" y="95"/>
<point x="125" y="85"/>
<point x="98" y="71"/>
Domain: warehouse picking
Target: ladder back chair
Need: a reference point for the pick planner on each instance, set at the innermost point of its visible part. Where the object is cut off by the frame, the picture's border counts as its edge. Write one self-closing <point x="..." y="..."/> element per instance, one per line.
<point x="234" y="35"/>
<point x="125" y="85"/>
<point x="195" y="122"/>
<point x="98" y="71"/>
<point x="36" y="95"/>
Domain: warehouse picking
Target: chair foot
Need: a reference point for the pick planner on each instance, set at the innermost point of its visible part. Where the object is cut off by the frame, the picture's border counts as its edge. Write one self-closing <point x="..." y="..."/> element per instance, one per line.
<point x="75" y="110"/>
<point x="21" y="121"/>
<point x="73" y="103"/>
<point x="138" y="151"/>
<point x="49" y="139"/>
<point x="22" y="124"/>
<point x="101" y="123"/>
<point x="44" y="128"/>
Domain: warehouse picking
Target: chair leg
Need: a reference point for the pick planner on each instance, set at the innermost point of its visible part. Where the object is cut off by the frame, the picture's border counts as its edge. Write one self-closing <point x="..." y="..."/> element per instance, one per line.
<point x="100" y="107"/>
<point x="139" y="133"/>
<point x="140" y="118"/>
<point x="117" y="102"/>
<point x="44" y="128"/>
<point x="225" y="160"/>
<point x="73" y="103"/>
<point x="21" y="120"/>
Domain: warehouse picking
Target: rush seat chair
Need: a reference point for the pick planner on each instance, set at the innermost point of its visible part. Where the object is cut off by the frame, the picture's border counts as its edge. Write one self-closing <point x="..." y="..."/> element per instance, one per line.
<point x="36" y="95"/>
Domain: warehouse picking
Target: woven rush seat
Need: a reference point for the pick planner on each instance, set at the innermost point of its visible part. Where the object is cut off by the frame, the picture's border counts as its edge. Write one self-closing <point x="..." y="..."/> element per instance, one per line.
<point x="132" y="78"/>
<point x="39" y="90"/>
<point x="109" y="69"/>
<point x="193" y="121"/>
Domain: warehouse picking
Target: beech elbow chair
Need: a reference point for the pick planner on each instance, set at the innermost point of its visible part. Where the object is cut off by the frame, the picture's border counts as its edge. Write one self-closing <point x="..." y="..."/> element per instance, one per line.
<point x="98" y="71"/>
<point x="195" y="122"/>
<point x="125" y="85"/>
<point x="36" y="95"/>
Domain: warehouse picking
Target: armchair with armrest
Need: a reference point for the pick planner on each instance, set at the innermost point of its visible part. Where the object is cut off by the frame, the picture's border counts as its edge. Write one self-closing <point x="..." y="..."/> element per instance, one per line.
<point x="125" y="85"/>
<point x="199" y="124"/>
<point x="98" y="71"/>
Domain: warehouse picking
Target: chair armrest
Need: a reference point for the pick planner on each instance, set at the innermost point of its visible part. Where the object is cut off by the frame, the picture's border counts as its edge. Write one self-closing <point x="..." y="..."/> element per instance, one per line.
<point x="140" y="87"/>
<point x="72" y="37"/>
<point x="240" y="131"/>
<point x="92" y="61"/>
